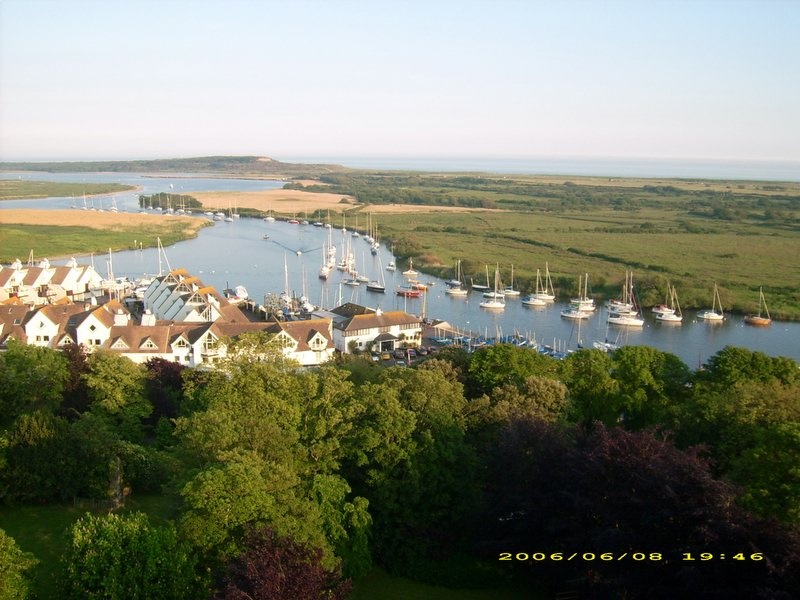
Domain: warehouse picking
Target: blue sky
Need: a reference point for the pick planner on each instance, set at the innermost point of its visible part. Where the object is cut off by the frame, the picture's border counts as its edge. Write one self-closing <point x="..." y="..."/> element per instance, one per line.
<point x="141" y="79"/>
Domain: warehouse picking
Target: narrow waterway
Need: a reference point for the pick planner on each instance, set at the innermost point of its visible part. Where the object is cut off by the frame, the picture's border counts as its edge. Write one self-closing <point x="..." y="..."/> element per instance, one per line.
<point x="231" y="254"/>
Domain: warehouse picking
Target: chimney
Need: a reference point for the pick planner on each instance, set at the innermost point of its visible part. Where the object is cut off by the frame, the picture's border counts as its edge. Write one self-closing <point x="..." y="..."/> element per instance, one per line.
<point x="120" y="318"/>
<point x="148" y="318"/>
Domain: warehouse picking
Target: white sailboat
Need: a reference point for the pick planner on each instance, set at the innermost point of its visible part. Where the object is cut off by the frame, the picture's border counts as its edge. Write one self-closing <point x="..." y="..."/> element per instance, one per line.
<point x="581" y="307"/>
<point x="712" y="314"/>
<point x="479" y="287"/>
<point x="455" y="287"/>
<point x="583" y="301"/>
<point x="628" y="313"/>
<point x="410" y="272"/>
<point x="536" y="299"/>
<point x="545" y="292"/>
<point x="509" y="290"/>
<point x="673" y="312"/>
<point x="498" y="302"/>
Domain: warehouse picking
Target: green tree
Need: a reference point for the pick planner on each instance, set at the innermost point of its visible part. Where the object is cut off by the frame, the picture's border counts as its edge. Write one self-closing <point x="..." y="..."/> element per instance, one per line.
<point x="536" y="398"/>
<point x="266" y="451"/>
<point x="15" y="567"/>
<point x="651" y="383"/>
<point x="770" y="472"/>
<point x="31" y="378"/>
<point x="506" y="364"/>
<point x="733" y="365"/>
<point x="40" y="459"/>
<point x="117" y="388"/>
<point x="125" y="556"/>
<point x="416" y="468"/>
<point x="594" y="393"/>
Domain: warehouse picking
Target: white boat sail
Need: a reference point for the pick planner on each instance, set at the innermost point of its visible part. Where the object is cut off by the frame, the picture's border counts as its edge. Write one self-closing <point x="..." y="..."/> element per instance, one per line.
<point x="498" y="302"/>
<point x="713" y="313"/>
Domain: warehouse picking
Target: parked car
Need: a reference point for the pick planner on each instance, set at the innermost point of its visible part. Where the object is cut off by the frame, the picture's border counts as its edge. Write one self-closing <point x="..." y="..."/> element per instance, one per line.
<point x="400" y="353"/>
<point x="386" y="356"/>
<point x="422" y="351"/>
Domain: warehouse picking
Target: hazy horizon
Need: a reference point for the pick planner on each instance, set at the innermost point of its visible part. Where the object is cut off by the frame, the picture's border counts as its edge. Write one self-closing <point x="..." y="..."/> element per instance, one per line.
<point x="661" y="80"/>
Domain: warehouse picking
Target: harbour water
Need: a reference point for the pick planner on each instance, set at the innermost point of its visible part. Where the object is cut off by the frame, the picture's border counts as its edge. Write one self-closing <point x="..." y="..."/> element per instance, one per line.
<point x="237" y="253"/>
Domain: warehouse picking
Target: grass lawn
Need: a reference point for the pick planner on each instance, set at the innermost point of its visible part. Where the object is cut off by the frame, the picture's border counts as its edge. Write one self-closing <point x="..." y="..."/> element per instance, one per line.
<point x="379" y="585"/>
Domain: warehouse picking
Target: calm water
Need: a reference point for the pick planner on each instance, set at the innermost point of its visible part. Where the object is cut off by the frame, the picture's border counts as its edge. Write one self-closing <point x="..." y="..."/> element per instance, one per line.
<point x="231" y="254"/>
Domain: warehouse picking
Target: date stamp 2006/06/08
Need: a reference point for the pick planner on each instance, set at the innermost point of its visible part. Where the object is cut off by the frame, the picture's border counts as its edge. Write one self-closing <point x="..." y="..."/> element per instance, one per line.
<point x="632" y="556"/>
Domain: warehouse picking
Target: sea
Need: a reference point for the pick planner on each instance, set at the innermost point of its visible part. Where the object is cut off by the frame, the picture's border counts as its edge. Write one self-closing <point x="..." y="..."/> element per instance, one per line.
<point x="270" y="257"/>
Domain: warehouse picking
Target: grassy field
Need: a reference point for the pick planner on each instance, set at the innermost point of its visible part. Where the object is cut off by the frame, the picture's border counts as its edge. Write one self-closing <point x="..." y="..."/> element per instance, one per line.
<point x="604" y="243"/>
<point x="379" y="585"/>
<point x="18" y="189"/>
<point x="81" y="232"/>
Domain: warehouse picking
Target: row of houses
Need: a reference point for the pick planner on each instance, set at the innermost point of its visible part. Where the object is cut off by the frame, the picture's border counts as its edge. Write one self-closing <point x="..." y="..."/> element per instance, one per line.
<point x="43" y="283"/>
<point x="183" y="320"/>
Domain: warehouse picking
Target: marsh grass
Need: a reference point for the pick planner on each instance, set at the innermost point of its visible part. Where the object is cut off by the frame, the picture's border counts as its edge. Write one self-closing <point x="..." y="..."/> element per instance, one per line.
<point x="17" y="240"/>
<point x="658" y="244"/>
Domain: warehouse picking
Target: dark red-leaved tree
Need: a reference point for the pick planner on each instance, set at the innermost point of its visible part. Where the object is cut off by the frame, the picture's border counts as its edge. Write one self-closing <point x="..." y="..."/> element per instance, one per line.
<point x="607" y="490"/>
<point x="278" y="568"/>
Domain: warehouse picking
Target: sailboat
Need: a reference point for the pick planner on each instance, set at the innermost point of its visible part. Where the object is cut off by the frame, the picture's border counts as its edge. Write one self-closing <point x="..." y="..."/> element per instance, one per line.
<point x="391" y="267"/>
<point x="546" y="292"/>
<point x="509" y="290"/>
<point x="498" y="301"/>
<point x="711" y="314"/>
<point x="672" y="312"/>
<point x="478" y="287"/>
<point x="665" y="308"/>
<point x="759" y="320"/>
<point x="375" y="285"/>
<point x="410" y="272"/>
<point x="455" y="287"/>
<point x="584" y="302"/>
<point x="632" y="316"/>
<point x="536" y="299"/>
<point x="582" y="306"/>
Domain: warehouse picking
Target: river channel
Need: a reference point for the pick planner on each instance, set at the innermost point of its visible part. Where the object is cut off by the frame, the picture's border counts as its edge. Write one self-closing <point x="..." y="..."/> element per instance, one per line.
<point x="231" y="254"/>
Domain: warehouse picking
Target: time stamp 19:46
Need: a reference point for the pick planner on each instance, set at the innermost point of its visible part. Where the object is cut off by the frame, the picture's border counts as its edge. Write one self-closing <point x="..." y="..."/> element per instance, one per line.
<point x="631" y="556"/>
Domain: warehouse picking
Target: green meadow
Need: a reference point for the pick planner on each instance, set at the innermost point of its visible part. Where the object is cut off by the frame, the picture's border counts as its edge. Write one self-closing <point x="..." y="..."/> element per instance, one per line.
<point x="17" y="240"/>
